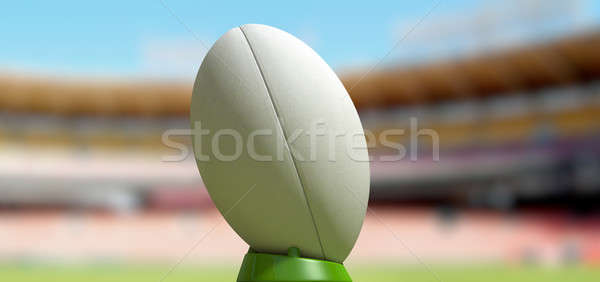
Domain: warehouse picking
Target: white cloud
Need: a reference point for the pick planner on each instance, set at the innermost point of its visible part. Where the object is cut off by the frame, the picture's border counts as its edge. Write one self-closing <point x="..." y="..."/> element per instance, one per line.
<point x="177" y="58"/>
<point x="493" y="25"/>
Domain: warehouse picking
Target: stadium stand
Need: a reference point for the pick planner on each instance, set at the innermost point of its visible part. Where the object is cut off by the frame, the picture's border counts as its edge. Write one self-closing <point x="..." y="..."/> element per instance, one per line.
<point x="509" y="123"/>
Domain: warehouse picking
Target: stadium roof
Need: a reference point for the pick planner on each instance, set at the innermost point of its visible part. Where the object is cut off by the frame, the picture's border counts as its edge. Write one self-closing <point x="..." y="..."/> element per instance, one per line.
<point x="524" y="69"/>
<point x="560" y="62"/>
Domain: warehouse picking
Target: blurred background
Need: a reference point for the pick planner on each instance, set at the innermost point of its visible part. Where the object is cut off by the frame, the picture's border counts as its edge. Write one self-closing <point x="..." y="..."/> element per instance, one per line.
<point x="91" y="187"/>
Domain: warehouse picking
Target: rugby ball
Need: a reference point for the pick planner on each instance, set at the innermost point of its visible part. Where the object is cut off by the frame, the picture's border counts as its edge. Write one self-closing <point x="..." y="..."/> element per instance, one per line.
<point x="279" y="144"/>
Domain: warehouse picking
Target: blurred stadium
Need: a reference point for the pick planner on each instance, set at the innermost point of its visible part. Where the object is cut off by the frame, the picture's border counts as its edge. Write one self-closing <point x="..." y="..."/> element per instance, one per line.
<point x="91" y="171"/>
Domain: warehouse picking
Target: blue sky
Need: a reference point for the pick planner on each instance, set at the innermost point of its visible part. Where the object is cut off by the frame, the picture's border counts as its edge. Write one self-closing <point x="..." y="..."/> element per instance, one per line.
<point x="141" y="38"/>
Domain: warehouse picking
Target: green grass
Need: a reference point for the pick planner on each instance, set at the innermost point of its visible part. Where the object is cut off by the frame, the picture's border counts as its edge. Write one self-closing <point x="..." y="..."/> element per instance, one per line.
<point x="478" y="274"/>
<point x="97" y="273"/>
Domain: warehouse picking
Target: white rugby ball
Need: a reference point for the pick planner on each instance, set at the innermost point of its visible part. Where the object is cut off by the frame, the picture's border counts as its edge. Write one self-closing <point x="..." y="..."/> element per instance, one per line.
<point x="279" y="144"/>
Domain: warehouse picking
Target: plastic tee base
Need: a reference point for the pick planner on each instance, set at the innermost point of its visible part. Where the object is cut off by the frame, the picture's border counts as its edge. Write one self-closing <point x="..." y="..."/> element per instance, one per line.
<point x="291" y="268"/>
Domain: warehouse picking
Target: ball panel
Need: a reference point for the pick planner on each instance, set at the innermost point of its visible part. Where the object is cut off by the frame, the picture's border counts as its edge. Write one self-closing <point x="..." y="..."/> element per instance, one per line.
<point x="229" y="93"/>
<point x="307" y="93"/>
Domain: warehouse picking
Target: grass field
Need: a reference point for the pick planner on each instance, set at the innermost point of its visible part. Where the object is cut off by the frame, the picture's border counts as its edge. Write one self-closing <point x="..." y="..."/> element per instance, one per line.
<point x="96" y="273"/>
